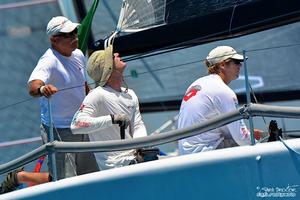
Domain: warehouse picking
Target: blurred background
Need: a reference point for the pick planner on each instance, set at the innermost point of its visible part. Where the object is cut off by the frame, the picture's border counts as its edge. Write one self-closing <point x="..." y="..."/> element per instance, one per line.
<point x="160" y="81"/>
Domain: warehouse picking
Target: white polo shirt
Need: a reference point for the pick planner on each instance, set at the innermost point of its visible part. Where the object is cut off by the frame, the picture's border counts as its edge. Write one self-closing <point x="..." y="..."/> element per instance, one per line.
<point x="205" y="99"/>
<point x="67" y="75"/>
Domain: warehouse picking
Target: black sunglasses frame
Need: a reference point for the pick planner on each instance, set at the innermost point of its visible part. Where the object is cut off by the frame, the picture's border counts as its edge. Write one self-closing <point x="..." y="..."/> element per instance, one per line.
<point x="235" y="61"/>
<point x="68" y="35"/>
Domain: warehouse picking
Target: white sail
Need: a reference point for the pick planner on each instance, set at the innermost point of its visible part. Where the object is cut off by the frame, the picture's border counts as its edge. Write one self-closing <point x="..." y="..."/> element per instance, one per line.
<point x="141" y="14"/>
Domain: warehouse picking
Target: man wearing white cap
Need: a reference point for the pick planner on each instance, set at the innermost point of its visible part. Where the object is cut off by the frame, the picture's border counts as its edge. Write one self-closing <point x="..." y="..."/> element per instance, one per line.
<point x="59" y="74"/>
<point x="108" y="106"/>
<point x="209" y="97"/>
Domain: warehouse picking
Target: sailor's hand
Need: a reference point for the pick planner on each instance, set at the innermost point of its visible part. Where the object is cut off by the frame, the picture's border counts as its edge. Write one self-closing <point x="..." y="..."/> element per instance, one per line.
<point x="257" y="134"/>
<point x="121" y="119"/>
<point x="48" y="90"/>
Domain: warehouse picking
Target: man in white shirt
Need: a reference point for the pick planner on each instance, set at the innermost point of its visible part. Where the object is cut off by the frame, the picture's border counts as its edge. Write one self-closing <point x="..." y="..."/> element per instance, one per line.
<point x="59" y="74"/>
<point x="209" y="97"/>
<point x="108" y="106"/>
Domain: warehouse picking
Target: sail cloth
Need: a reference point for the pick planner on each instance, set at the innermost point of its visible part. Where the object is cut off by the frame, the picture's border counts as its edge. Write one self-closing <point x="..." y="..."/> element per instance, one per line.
<point x="140" y="15"/>
<point x="181" y="10"/>
<point x="194" y="22"/>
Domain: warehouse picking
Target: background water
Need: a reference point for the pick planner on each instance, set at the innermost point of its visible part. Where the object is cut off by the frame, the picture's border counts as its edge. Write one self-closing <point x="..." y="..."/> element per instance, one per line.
<point x="23" y="41"/>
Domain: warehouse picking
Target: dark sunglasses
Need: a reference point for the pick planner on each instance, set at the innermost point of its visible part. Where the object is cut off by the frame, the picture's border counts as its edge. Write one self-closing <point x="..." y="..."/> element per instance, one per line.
<point x="68" y="35"/>
<point x="236" y="62"/>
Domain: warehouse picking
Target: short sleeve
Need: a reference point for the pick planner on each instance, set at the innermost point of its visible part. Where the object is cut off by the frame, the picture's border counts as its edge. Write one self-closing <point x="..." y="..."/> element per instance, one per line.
<point x="42" y="70"/>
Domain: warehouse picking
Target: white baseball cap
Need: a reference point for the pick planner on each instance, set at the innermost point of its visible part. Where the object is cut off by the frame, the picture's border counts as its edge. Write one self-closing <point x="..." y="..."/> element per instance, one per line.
<point x="222" y="53"/>
<point x="60" y="24"/>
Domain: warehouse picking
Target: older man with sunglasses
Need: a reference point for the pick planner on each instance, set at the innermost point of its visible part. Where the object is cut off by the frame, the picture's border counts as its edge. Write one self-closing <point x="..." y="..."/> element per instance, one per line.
<point x="209" y="97"/>
<point x="60" y="75"/>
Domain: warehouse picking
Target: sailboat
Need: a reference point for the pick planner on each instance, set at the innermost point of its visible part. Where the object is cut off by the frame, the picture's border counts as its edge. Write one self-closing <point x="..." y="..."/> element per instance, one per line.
<point x="264" y="170"/>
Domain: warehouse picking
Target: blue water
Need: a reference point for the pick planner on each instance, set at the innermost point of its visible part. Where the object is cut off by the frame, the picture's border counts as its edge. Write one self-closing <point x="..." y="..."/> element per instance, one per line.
<point x="23" y="41"/>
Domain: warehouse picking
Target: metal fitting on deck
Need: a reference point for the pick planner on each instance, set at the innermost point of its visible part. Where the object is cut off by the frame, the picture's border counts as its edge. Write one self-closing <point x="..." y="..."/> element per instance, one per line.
<point x="245" y="111"/>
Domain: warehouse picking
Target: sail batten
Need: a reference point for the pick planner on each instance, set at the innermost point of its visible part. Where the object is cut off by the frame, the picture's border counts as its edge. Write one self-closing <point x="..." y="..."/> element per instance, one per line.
<point x="141" y="15"/>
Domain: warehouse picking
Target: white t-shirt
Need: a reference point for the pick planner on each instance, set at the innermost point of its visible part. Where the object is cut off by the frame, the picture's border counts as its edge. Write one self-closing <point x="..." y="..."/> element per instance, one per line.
<point x="94" y="118"/>
<point x="67" y="75"/>
<point x="205" y="99"/>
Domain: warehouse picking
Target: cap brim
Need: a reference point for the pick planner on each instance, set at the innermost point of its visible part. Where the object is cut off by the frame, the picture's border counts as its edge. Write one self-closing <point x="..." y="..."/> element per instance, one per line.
<point x="239" y="57"/>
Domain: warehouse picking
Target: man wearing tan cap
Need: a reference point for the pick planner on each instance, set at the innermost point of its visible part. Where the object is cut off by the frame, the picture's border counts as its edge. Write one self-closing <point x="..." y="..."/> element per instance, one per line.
<point x="209" y="97"/>
<point x="107" y="106"/>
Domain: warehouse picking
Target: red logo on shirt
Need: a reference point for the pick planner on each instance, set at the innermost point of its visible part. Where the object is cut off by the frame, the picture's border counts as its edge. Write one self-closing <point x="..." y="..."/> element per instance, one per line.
<point x="245" y="132"/>
<point x="81" y="107"/>
<point x="193" y="91"/>
<point x="82" y="124"/>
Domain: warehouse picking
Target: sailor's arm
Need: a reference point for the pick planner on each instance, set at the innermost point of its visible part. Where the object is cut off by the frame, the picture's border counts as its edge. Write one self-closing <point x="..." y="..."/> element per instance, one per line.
<point x="84" y="121"/>
<point x="238" y="130"/>
<point x="139" y="129"/>
<point x="39" y="88"/>
<point x="39" y="80"/>
<point x="241" y="134"/>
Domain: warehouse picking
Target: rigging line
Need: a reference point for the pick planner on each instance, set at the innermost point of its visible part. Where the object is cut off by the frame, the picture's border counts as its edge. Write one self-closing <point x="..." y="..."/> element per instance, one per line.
<point x="262" y="140"/>
<point x="69" y="88"/>
<point x="231" y="19"/>
<point x="156" y="78"/>
<point x="168" y="67"/>
<point x="274" y="47"/>
<point x="288" y="147"/>
<point x="32" y="98"/>
<point x="172" y="66"/>
<point x="128" y="76"/>
<point x="16" y="103"/>
<point x="256" y="101"/>
<point x="202" y="60"/>
<point x="150" y="54"/>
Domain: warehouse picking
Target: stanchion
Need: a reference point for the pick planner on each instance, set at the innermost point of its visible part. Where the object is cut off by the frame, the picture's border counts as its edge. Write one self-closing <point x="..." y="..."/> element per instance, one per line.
<point x="248" y="98"/>
<point x="51" y="155"/>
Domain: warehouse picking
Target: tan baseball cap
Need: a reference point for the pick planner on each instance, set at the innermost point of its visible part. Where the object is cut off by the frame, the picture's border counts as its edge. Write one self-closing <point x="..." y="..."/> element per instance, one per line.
<point x="222" y="53"/>
<point x="100" y="65"/>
